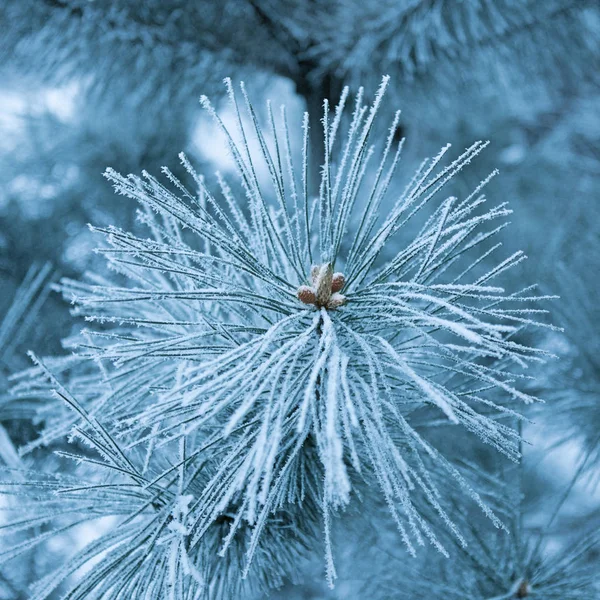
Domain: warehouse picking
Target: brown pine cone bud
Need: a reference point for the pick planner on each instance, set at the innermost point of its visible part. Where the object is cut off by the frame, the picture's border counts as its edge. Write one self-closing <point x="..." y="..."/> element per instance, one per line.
<point x="323" y="284"/>
<point x="337" y="282"/>
<point x="523" y="590"/>
<point x="306" y="294"/>
<point x="336" y="301"/>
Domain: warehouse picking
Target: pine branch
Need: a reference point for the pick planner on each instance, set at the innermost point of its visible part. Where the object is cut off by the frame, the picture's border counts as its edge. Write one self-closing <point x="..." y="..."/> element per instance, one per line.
<point x="281" y="344"/>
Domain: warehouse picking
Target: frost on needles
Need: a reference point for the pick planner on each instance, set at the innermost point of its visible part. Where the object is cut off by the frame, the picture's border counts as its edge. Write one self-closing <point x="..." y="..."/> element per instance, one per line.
<point x="263" y="350"/>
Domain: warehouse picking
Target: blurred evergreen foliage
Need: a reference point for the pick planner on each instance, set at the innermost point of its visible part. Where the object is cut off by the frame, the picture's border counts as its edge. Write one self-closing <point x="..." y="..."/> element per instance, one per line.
<point x="88" y="84"/>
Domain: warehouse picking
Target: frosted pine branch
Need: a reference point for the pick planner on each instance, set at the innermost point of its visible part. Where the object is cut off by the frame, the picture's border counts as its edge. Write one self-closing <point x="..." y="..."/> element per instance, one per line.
<point x="285" y="340"/>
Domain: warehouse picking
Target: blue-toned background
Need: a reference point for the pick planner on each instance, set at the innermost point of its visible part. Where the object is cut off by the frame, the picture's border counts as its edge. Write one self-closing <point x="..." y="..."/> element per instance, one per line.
<point x="86" y="84"/>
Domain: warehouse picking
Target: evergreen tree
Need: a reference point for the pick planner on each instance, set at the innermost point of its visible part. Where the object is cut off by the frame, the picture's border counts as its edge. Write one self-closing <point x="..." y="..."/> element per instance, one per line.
<point x="285" y="362"/>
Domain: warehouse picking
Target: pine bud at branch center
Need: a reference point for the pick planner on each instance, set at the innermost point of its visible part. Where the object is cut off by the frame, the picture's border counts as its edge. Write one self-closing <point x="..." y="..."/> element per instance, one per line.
<point x="326" y="285"/>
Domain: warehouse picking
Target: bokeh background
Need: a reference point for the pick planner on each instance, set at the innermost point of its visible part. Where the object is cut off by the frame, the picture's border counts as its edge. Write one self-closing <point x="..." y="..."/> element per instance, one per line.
<point x="86" y="84"/>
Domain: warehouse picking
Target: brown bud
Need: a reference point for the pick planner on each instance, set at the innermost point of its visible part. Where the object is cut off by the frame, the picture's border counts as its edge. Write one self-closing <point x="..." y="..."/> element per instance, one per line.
<point x="524" y="589"/>
<point x="323" y="284"/>
<point x="336" y="301"/>
<point x="306" y="294"/>
<point x="337" y="282"/>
